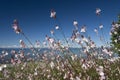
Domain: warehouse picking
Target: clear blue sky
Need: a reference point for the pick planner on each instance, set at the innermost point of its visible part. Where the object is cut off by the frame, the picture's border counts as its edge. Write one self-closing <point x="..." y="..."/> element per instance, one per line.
<point x="34" y="17"/>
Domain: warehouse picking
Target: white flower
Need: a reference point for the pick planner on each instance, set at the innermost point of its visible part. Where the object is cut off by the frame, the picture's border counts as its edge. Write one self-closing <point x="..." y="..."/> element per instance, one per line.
<point x="65" y="76"/>
<point x="115" y="41"/>
<point x="98" y="10"/>
<point x="119" y="50"/>
<point x="22" y="68"/>
<point x="101" y="73"/>
<point x="93" y="45"/>
<point x="57" y="27"/>
<point x="52" y="65"/>
<point x="83" y="29"/>
<point x="77" y="40"/>
<point x="6" y="53"/>
<point x="117" y="25"/>
<point x="85" y="39"/>
<point x="1" y="68"/>
<point x="35" y="73"/>
<point x="73" y="57"/>
<point x="84" y="66"/>
<point x="51" y="40"/>
<point x="102" y="78"/>
<point x="58" y="67"/>
<point x="77" y="78"/>
<point x="4" y="66"/>
<point x="48" y="76"/>
<point x="52" y="32"/>
<point x="106" y="51"/>
<point x="96" y="31"/>
<point x="53" y="14"/>
<point x="101" y="67"/>
<point x="75" y="23"/>
<point x="3" y="52"/>
<point x="115" y="32"/>
<point x="115" y="48"/>
<point x="101" y="26"/>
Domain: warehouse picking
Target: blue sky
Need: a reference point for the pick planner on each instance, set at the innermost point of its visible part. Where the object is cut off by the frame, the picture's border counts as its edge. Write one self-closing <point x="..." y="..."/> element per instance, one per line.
<point x="34" y="17"/>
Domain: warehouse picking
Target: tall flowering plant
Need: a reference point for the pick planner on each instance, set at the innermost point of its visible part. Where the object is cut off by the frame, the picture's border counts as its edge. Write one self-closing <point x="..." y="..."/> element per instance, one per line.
<point x="115" y="36"/>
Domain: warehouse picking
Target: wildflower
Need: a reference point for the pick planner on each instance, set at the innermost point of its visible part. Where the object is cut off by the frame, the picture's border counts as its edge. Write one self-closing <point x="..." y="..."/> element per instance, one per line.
<point x="83" y="29"/>
<point x="35" y="73"/>
<point x="75" y="23"/>
<point x="77" y="40"/>
<point x="106" y="51"/>
<point x="13" y="61"/>
<point x="96" y="31"/>
<point x="101" y="26"/>
<point x="6" y="53"/>
<point x="53" y="14"/>
<point x="51" y="40"/>
<point x="52" y="32"/>
<point x="102" y="78"/>
<point x="57" y="27"/>
<point x="1" y="68"/>
<point x="73" y="57"/>
<point x="58" y="67"/>
<point x="22" y="68"/>
<point x="101" y="73"/>
<point x="52" y="65"/>
<point x="115" y="41"/>
<point x="84" y="66"/>
<point x="77" y="78"/>
<point x="15" y="27"/>
<point x="13" y="51"/>
<point x="48" y="76"/>
<point x="98" y="10"/>
<point x="4" y="66"/>
<point x="71" y="77"/>
<point x="22" y="44"/>
<point x="93" y="45"/>
<point x="85" y="39"/>
<point x="65" y="76"/>
<point x="115" y="32"/>
<point x="117" y="25"/>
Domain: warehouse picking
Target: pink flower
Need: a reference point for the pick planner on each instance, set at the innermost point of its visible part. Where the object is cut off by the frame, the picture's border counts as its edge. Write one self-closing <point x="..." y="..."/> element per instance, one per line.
<point x="53" y="14"/>
<point x="51" y="40"/>
<point x="98" y="10"/>
<point x="15" y="27"/>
